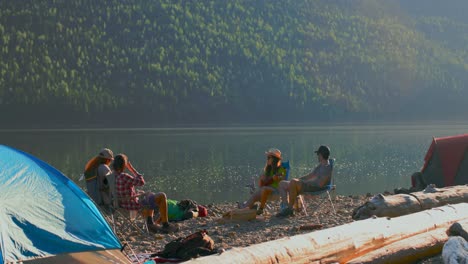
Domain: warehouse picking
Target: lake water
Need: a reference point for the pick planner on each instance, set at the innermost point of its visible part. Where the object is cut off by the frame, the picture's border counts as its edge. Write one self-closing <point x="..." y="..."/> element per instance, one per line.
<point x="214" y="164"/>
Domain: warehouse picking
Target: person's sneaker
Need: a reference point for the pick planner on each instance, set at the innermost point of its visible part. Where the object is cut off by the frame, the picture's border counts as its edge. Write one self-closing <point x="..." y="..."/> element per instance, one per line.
<point x="165" y="228"/>
<point x="153" y="228"/>
<point x="241" y="205"/>
<point x="286" y="212"/>
<point x="169" y="228"/>
<point x="260" y="211"/>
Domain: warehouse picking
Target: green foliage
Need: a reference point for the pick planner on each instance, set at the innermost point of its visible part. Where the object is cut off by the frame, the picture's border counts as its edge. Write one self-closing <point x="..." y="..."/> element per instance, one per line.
<point x="206" y="61"/>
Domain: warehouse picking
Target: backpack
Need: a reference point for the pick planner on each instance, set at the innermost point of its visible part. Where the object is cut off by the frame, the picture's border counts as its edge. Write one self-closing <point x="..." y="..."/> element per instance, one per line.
<point x="192" y="246"/>
<point x="188" y="207"/>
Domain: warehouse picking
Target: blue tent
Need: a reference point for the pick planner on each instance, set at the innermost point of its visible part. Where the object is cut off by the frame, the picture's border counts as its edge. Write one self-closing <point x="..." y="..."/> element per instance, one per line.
<point x="44" y="214"/>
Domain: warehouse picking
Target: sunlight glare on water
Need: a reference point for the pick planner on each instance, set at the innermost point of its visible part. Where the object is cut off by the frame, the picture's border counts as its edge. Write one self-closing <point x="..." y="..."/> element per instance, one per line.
<point x="213" y="165"/>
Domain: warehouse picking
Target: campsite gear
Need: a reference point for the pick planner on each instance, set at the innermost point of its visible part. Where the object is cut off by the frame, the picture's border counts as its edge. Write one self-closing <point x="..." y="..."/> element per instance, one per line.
<point x="322" y="194"/>
<point x="273" y="152"/>
<point x="194" y="245"/>
<point x="202" y="211"/>
<point x="446" y="161"/>
<point x="187" y="205"/>
<point x="56" y="220"/>
<point x="240" y="215"/>
<point x="181" y="210"/>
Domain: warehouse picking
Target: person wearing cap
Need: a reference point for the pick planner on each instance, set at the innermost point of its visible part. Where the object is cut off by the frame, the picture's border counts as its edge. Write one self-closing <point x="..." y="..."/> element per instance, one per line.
<point x="96" y="174"/>
<point x="314" y="181"/>
<point x="273" y="173"/>
<point x="147" y="202"/>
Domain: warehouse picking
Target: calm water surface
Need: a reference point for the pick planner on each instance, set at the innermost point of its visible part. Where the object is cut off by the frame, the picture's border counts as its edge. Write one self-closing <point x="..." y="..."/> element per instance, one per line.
<point x="213" y="165"/>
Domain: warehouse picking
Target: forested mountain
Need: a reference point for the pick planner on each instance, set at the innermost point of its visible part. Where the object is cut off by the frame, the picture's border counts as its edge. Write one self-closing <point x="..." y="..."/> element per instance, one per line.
<point x="158" y="62"/>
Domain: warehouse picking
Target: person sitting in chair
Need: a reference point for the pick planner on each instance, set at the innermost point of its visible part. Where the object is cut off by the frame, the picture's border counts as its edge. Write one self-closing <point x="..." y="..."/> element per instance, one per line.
<point x="273" y="173"/>
<point x="129" y="200"/>
<point x="96" y="173"/>
<point x="312" y="182"/>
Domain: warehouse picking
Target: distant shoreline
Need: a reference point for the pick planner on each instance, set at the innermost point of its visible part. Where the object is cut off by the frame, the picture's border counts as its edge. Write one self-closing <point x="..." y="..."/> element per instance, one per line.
<point x="247" y="127"/>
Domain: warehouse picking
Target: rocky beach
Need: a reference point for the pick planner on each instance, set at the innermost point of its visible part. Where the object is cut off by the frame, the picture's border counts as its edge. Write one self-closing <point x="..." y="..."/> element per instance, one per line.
<point x="229" y="234"/>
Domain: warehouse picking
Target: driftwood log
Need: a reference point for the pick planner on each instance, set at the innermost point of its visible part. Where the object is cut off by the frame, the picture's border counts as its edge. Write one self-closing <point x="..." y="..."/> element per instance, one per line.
<point x="412" y="249"/>
<point x="346" y="242"/>
<point x="402" y="204"/>
<point x="407" y="250"/>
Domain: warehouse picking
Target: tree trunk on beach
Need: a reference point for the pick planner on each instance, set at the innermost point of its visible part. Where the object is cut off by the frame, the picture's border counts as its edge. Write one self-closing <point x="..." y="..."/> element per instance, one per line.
<point x="346" y="242"/>
<point x="402" y="204"/>
<point x="453" y="242"/>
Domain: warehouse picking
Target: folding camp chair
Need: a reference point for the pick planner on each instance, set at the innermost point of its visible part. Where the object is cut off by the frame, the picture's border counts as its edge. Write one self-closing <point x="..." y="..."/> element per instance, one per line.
<point x="131" y="217"/>
<point x="321" y="194"/>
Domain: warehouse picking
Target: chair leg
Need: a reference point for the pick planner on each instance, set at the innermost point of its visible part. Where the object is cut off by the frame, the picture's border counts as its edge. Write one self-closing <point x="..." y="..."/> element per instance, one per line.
<point x="331" y="202"/>
<point x="131" y="221"/>
<point x="302" y="203"/>
<point x="321" y="201"/>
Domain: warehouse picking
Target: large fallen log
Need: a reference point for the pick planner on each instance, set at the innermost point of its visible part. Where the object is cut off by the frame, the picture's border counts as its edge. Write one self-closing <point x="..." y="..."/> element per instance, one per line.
<point x="343" y="243"/>
<point x="418" y="247"/>
<point x="408" y="250"/>
<point x="402" y="204"/>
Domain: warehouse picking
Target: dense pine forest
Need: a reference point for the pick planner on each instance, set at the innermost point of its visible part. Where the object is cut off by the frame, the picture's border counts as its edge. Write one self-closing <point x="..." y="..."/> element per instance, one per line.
<point x="153" y="63"/>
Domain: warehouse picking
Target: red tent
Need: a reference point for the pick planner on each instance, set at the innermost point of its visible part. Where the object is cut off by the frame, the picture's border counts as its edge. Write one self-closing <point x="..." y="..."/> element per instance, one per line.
<point x="446" y="161"/>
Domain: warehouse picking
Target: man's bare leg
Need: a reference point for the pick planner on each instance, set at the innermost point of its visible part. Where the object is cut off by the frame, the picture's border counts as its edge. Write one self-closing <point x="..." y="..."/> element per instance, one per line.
<point x="295" y="188"/>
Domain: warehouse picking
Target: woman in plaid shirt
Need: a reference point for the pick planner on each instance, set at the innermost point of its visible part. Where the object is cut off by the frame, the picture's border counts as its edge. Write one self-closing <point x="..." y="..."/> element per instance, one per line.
<point x="129" y="199"/>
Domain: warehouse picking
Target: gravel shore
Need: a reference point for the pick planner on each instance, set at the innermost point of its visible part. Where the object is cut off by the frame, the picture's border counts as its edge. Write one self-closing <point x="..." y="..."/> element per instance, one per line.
<point x="227" y="235"/>
<point x="241" y="234"/>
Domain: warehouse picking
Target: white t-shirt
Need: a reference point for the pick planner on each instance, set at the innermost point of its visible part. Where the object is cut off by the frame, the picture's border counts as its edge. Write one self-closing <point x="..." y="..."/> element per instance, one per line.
<point x="104" y="184"/>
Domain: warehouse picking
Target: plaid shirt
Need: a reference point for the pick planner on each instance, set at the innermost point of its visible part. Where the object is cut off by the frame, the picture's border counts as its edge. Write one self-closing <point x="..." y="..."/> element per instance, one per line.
<point x="125" y="190"/>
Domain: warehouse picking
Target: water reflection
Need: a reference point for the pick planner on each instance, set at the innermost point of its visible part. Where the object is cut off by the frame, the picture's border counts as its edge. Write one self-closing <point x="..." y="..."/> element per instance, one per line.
<point x="211" y="165"/>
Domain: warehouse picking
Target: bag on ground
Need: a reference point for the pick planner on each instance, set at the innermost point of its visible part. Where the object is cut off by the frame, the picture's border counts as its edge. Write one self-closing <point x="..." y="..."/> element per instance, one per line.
<point x="195" y="245"/>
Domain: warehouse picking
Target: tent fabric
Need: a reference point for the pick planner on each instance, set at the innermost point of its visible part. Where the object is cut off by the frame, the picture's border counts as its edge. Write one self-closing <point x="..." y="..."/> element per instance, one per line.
<point x="43" y="213"/>
<point x="94" y="257"/>
<point x="451" y="151"/>
<point x="462" y="174"/>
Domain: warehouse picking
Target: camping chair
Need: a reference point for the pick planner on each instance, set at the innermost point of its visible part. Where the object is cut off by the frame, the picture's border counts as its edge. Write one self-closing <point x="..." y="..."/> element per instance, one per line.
<point x="253" y="187"/>
<point x="130" y="216"/>
<point x="322" y="194"/>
